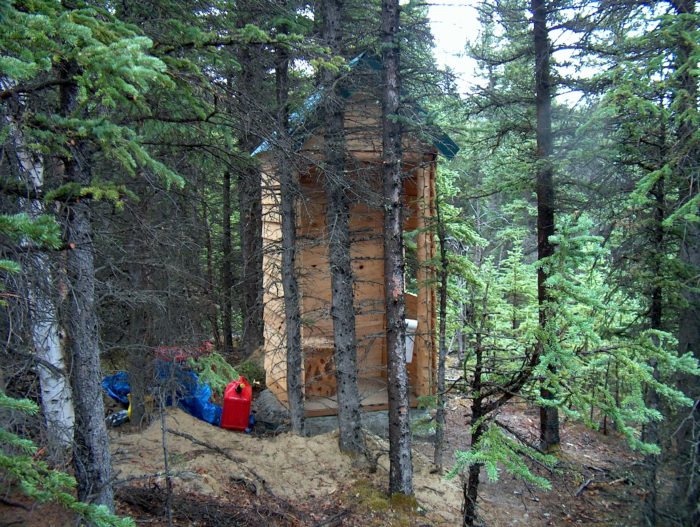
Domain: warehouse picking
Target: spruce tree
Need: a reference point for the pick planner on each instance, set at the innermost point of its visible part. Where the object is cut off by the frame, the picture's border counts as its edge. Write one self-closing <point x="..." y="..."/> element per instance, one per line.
<point x="85" y="63"/>
<point x="338" y="187"/>
<point x="401" y="468"/>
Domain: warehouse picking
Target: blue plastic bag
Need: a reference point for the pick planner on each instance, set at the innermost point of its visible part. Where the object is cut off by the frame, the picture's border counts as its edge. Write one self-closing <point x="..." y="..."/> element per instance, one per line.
<point x="191" y="394"/>
<point x="117" y="386"/>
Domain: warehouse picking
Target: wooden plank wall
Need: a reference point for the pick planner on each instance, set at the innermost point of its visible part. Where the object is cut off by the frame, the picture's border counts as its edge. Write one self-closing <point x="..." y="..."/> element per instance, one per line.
<point x="368" y="268"/>
<point x="364" y="146"/>
<point x="424" y="352"/>
<point x="273" y="297"/>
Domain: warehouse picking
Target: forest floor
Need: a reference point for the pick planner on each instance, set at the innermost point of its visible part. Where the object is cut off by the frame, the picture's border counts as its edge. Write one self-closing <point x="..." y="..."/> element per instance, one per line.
<point x="228" y="478"/>
<point x="593" y="483"/>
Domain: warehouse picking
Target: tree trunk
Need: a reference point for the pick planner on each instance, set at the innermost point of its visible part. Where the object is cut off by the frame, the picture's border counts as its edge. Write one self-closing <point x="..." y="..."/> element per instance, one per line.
<point x="338" y="230"/>
<point x="471" y="488"/>
<point x="688" y="154"/>
<point x="651" y="429"/>
<point x="442" y="344"/>
<point x="140" y="360"/>
<point x="56" y="398"/>
<point x="250" y="230"/>
<point x="91" y="457"/>
<point x="289" y="191"/>
<point x="249" y="86"/>
<point x="226" y="272"/>
<point x="549" y="416"/>
<point x="400" y="458"/>
<point x="213" y="314"/>
<point x="688" y="439"/>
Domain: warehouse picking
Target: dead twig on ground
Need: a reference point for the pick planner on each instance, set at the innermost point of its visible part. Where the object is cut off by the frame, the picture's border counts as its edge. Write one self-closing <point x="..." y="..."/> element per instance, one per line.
<point x="209" y="446"/>
<point x="583" y="487"/>
<point x="281" y="501"/>
<point x="335" y="520"/>
<point x="11" y="503"/>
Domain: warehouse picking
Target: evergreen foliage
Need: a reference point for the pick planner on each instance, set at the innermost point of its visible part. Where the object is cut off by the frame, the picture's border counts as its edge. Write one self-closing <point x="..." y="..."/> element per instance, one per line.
<point x="37" y="480"/>
<point x="168" y="99"/>
<point x="215" y="371"/>
<point x="18" y="463"/>
<point x="496" y="450"/>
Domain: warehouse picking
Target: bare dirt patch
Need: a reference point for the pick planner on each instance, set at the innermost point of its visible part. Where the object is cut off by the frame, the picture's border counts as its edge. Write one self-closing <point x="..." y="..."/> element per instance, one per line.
<point x="301" y="474"/>
<point x="594" y="483"/>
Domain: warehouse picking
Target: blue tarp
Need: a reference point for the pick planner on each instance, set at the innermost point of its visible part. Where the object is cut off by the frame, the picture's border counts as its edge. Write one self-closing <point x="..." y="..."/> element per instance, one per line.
<point x="191" y="394"/>
<point x="117" y="386"/>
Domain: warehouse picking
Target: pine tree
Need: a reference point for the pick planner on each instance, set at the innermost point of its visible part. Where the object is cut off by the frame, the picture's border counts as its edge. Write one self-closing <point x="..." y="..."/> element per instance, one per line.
<point x="18" y="463"/>
<point x="85" y="62"/>
<point x="401" y="469"/>
<point x="337" y="188"/>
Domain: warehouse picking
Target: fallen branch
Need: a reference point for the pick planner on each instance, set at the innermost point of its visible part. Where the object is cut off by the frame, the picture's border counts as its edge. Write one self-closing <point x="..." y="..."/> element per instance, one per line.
<point x="205" y="445"/>
<point x="240" y="461"/>
<point x="583" y="487"/>
<point x="524" y="440"/>
<point x="616" y="481"/>
<point x="11" y="503"/>
<point x="597" y="469"/>
<point x="591" y="483"/>
<point x="155" y="475"/>
<point x="334" y="520"/>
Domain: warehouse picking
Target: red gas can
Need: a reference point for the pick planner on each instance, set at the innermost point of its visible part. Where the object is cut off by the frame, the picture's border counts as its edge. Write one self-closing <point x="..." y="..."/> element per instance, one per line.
<point x="237" y="398"/>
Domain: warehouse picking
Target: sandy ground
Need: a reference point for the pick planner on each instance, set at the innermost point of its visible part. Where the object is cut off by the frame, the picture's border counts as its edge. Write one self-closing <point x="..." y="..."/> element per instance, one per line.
<point x="226" y="478"/>
<point x="292" y="467"/>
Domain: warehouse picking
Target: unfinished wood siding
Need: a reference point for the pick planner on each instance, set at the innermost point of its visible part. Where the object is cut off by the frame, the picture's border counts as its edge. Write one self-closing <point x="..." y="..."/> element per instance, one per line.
<point x="424" y="347"/>
<point x="367" y="263"/>
<point x="275" y="362"/>
<point x="363" y="142"/>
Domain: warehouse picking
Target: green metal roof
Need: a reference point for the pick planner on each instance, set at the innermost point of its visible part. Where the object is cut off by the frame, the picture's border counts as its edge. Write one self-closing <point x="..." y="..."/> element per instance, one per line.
<point x="301" y="122"/>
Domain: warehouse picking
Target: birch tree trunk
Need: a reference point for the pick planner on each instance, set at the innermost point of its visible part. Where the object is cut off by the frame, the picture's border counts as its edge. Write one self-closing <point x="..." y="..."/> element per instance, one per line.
<point x="56" y="397"/>
<point x="400" y="458"/>
<point x="338" y="231"/>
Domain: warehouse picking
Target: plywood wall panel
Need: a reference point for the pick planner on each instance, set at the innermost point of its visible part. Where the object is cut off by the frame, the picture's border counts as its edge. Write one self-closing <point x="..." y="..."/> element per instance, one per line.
<point x="363" y="142"/>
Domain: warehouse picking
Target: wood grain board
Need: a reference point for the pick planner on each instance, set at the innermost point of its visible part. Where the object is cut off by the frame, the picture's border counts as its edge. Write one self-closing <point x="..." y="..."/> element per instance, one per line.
<point x="366" y="225"/>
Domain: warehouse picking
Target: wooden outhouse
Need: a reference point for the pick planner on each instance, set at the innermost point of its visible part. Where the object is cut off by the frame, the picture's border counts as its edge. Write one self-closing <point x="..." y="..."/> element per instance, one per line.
<point x="363" y="137"/>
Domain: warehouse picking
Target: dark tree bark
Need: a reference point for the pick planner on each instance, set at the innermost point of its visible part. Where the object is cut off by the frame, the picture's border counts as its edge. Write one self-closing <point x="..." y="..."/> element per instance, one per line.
<point x="688" y="163"/>
<point x="549" y="416"/>
<point x="250" y="190"/>
<point x="213" y="315"/>
<point x="289" y="190"/>
<point x="226" y="268"/>
<point x="400" y="458"/>
<point x="91" y="458"/>
<point x="470" y="489"/>
<point x="442" y="344"/>
<point x="651" y="429"/>
<point x="250" y="231"/>
<point x="337" y="187"/>
<point x="140" y="360"/>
